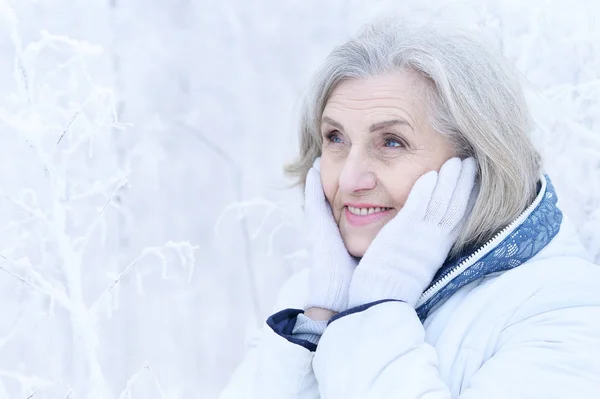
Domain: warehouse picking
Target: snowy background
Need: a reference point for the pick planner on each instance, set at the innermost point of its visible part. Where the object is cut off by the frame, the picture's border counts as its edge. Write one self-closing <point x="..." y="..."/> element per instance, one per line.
<point x="145" y="223"/>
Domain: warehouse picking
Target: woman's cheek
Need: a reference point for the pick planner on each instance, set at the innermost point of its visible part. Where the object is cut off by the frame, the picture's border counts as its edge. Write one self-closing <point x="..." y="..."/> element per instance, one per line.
<point x="398" y="182"/>
<point x="329" y="181"/>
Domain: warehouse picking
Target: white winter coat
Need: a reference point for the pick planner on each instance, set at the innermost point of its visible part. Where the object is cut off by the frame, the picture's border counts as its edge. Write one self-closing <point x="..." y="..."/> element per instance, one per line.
<point x="518" y="318"/>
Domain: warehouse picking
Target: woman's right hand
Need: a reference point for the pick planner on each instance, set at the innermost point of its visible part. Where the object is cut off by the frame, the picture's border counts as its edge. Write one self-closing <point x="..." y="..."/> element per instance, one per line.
<point x="331" y="264"/>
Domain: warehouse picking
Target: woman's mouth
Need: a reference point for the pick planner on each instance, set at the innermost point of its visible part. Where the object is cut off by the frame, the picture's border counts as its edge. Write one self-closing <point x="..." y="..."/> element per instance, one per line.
<point x="361" y="215"/>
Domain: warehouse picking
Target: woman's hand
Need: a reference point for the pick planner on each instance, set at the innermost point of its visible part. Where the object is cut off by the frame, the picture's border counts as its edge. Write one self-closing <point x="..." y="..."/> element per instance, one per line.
<point x="405" y="255"/>
<point x="332" y="266"/>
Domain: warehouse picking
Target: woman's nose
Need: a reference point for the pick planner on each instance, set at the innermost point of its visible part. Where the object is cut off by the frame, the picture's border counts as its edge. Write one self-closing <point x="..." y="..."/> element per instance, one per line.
<point x="356" y="174"/>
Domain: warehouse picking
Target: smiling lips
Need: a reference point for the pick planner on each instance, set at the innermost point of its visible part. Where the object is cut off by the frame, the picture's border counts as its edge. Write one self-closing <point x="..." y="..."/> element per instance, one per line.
<point x="363" y="214"/>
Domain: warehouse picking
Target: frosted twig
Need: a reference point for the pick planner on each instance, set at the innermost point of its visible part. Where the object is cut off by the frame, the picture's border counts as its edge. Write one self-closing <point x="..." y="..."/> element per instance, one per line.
<point x="115" y="184"/>
<point x="156" y="383"/>
<point x="88" y="234"/>
<point x="273" y="233"/>
<point x="240" y="206"/>
<point x="13" y="332"/>
<point x="67" y="128"/>
<point x="126" y="392"/>
<point x="271" y="207"/>
<point x="36" y="212"/>
<point x="157" y="251"/>
<point x="237" y="178"/>
<point x="21" y="279"/>
<point x="16" y="223"/>
<point x="80" y="47"/>
<point x="44" y="286"/>
<point x="29" y="382"/>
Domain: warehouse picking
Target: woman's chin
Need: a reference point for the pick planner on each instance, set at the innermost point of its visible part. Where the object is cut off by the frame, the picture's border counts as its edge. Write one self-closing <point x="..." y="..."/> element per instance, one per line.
<point x="357" y="246"/>
<point x="357" y="239"/>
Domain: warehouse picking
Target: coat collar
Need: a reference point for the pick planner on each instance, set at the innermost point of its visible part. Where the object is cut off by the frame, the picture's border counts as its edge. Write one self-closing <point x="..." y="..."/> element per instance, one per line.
<point x="513" y="246"/>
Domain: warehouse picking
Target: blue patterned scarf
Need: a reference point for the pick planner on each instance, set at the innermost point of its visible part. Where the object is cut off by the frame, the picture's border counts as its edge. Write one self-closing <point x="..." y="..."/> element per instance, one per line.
<point x="540" y="227"/>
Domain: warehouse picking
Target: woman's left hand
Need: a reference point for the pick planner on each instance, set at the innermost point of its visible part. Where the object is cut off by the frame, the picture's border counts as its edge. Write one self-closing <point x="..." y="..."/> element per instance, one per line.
<point x="405" y="255"/>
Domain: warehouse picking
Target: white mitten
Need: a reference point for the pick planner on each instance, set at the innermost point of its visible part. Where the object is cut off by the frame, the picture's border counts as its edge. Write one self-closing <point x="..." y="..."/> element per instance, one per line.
<point x="332" y="266"/>
<point x="405" y="255"/>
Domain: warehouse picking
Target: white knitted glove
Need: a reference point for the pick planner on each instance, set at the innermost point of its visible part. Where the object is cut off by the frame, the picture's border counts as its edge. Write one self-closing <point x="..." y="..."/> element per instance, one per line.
<point x="332" y="266"/>
<point x="405" y="255"/>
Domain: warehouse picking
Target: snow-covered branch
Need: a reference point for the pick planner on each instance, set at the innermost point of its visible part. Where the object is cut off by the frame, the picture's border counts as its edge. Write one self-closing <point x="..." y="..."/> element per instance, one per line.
<point x="62" y="178"/>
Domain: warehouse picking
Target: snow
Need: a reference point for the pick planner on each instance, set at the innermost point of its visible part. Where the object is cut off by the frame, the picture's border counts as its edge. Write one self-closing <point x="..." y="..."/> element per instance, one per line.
<point x="145" y="222"/>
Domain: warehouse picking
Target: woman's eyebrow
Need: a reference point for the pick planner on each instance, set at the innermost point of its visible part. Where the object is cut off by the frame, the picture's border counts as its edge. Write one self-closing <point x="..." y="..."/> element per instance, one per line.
<point x="385" y="124"/>
<point x="373" y="128"/>
<point x="333" y="123"/>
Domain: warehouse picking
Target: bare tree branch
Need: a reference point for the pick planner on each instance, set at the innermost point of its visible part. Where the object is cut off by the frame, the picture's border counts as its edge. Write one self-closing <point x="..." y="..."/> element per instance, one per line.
<point x="237" y="174"/>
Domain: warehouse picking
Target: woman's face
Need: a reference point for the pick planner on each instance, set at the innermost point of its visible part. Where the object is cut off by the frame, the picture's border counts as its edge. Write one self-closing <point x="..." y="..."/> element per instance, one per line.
<point x="377" y="141"/>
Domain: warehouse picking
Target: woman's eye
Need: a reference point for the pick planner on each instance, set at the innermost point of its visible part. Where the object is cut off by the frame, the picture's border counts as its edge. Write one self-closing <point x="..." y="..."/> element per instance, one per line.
<point x="392" y="142"/>
<point x="334" y="137"/>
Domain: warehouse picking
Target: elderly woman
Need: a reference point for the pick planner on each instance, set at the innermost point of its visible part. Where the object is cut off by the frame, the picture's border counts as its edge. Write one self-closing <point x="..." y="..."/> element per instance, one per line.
<point x="441" y="265"/>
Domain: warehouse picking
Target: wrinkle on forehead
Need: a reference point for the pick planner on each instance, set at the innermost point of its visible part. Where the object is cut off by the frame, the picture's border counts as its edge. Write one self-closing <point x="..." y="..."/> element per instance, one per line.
<point x="399" y="93"/>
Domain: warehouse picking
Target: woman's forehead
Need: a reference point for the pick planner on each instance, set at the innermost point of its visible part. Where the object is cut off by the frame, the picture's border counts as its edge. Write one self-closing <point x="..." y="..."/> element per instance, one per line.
<point x="400" y="85"/>
<point x="396" y="95"/>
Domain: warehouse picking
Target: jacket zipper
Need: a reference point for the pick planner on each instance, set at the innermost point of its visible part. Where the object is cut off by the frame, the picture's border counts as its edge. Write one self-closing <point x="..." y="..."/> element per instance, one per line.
<point x="478" y="254"/>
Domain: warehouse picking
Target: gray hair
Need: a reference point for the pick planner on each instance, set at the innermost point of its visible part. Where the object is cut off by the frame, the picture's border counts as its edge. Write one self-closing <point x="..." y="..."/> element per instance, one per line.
<point x="475" y="100"/>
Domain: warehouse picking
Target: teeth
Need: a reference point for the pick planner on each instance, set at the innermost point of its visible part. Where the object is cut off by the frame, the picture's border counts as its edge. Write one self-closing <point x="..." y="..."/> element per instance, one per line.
<point x="365" y="211"/>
